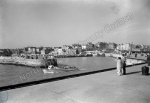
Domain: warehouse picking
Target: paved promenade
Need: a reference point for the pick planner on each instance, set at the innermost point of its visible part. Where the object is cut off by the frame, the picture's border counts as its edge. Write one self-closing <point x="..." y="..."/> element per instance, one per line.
<point x="104" y="87"/>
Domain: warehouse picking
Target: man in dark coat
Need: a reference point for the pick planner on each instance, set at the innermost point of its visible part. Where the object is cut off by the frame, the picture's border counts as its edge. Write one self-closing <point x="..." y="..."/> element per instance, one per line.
<point x="124" y="64"/>
<point x="148" y="59"/>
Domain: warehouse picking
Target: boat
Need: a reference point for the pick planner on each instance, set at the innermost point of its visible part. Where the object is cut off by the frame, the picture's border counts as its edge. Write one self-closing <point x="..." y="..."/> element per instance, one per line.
<point x="89" y="54"/>
<point x="82" y="54"/>
<point x="98" y="54"/>
<point x="65" y="68"/>
<point x="102" y="54"/>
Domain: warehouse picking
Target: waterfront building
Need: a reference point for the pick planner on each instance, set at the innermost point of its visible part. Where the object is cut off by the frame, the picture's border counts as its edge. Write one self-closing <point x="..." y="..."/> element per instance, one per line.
<point x="84" y="47"/>
<point x="29" y="50"/>
<point x="68" y="50"/>
<point x="54" y="53"/>
<point x="46" y="50"/>
<point x="112" y="45"/>
<point x="37" y="50"/>
<point x="59" y="51"/>
<point x="124" y="47"/>
<point x="145" y="48"/>
<point x="78" y="48"/>
<point x="71" y="52"/>
<point x="1" y="52"/>
<point x="90" y="46"/>
<point x="102" y="45"/>
<point x="67" y="47"/>
<point x="43" y="52"/>
<point x="130" y="47"/>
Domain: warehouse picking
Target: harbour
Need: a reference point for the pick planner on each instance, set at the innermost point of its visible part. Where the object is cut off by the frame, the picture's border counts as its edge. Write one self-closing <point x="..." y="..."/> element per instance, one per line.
<point x="23" y="74"/>
<point x="74" y="51"/>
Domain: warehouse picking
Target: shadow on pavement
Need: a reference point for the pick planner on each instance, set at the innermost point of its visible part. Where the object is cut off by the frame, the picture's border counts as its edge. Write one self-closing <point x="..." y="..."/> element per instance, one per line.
<point x="133" y="72"/>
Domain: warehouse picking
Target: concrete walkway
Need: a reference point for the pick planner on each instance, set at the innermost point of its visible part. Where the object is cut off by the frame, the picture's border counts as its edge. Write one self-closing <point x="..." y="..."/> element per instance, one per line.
<point x="105" y="87"/>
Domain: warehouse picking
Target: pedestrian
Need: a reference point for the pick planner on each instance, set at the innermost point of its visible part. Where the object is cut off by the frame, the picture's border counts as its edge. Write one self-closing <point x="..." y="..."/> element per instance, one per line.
<point x="125" y="54"/>
<point x="135" y="55"/>
<point x="148" y="59"/>
<point x="119" y="66"/>
<point x="124" y="64"/>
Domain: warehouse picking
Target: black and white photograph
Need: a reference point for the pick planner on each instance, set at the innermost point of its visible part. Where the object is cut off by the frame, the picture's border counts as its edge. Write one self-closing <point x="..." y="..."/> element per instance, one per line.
<point x="74" y="51"/>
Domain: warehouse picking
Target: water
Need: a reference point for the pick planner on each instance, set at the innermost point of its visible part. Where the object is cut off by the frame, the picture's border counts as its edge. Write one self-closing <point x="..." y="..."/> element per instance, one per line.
<point x="10" y="74"/>
<point x="90" y="63"/>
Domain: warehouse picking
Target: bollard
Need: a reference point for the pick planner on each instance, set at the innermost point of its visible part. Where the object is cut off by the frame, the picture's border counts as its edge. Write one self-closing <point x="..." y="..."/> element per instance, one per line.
<point x="148" y="62"/>
<point x="145" y="70"/>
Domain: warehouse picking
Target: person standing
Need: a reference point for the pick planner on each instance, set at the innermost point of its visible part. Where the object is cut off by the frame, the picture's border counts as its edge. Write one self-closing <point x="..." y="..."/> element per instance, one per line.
<point x="135" y="55"/>
<point x="148" y="59"/>
<point x="119" y="65"/>
<point x="124" y="64"/>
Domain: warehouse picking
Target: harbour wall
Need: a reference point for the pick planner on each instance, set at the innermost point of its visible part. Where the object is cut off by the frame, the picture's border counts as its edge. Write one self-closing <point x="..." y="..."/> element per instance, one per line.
<point x="22" y="61"/>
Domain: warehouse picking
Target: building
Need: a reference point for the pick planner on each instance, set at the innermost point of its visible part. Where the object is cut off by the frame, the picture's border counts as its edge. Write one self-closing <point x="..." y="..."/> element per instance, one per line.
<point x="78" y="48"/>
<point x="43" y="51"/>
<point x="112" y="46"/>
<point x="145" y="48"/>
<point x="68" y="50"/>
<point x="65" y="47"/>
<point x="30" y="50"/>
<point x="125" y="47"/>
<point x="84" y="47"/>
<point x="129" y="47"/>
<point x="102" y="45"/>
<point x="90" y="46"/>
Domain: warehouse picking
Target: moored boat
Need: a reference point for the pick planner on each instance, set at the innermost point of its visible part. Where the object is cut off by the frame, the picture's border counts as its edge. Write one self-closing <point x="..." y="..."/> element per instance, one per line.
<point x="98" y="54"/>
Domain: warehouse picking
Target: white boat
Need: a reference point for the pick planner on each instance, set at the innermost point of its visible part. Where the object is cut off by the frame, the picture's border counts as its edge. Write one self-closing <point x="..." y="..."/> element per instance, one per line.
<point x="99" y="54"/>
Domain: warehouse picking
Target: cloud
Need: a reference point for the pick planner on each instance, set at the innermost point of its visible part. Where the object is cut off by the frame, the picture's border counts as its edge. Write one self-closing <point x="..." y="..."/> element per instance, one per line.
<point x="51" y="22"/>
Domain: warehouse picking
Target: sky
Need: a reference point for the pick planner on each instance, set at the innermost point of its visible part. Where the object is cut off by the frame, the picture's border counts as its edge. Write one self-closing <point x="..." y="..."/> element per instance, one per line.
<point x="64" y="22"/>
